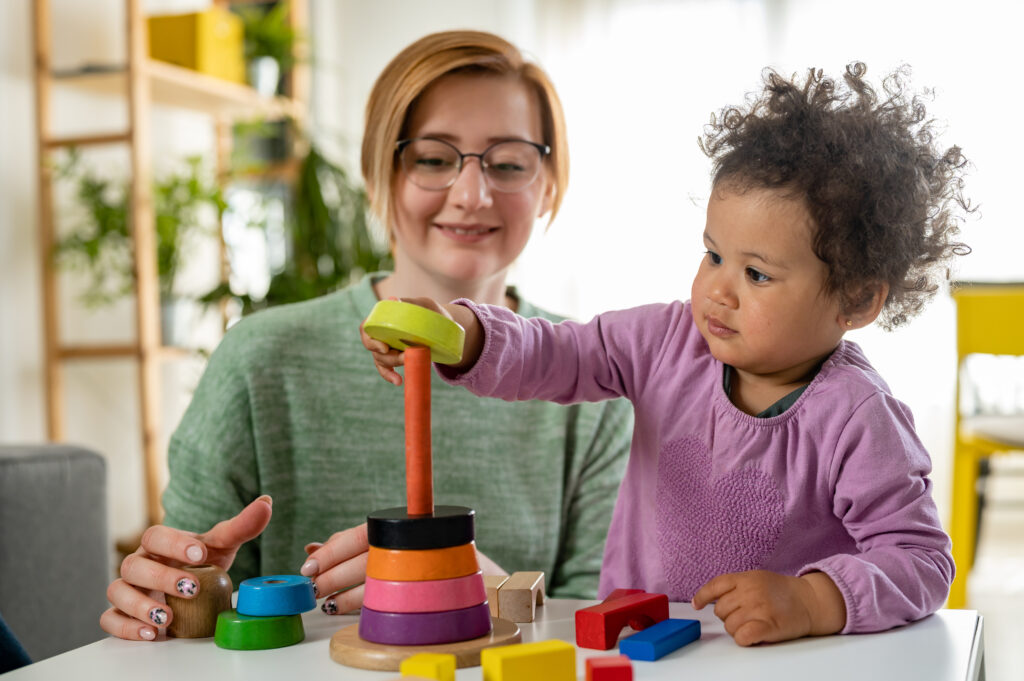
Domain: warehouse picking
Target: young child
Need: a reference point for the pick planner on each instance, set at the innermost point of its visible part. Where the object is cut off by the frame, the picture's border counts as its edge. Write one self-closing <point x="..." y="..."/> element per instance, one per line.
<point x="771" y="471"/>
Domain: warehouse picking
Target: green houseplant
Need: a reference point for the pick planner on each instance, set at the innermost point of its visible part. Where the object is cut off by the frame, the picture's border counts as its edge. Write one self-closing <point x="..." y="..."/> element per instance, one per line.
<point x="269" y="41"/>
<point x="99" y="241"/>
<point x="329" y="241"/>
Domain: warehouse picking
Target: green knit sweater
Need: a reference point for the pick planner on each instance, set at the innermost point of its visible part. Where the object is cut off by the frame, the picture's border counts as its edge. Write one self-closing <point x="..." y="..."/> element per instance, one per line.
<point x="290" y="405"/>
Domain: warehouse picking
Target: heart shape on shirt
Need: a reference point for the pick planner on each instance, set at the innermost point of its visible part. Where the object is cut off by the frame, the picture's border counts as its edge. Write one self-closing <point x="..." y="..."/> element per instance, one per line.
<point x="708" y="524"/>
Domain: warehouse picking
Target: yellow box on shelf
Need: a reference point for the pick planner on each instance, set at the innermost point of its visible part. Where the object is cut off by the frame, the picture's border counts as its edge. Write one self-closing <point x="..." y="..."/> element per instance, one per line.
<point x="209" y="42"/>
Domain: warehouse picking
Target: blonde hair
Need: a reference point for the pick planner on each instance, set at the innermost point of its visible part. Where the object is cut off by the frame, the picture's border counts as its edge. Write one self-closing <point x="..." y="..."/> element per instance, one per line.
<point x="419" y="66"/>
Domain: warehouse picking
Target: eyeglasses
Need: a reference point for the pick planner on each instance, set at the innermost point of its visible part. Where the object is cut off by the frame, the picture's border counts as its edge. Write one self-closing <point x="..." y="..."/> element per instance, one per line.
<point x="435" y="164"/>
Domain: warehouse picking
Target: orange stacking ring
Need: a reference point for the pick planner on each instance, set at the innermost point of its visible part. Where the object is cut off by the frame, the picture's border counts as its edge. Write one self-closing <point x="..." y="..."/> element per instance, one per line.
<point x="416" y="565"/>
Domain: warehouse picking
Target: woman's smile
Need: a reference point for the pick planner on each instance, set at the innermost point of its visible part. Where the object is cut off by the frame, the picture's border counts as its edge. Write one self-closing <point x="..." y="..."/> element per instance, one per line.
<point x="466" y="233"/>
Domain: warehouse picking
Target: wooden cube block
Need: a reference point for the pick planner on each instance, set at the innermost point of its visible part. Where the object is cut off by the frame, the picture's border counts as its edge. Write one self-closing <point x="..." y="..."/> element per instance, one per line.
<point x="616" y="668"/>
<point x="551" y="660"/>
<point x="519" y="596"/>
<point x="492" y="583"/>
<point x="438" y="666"/>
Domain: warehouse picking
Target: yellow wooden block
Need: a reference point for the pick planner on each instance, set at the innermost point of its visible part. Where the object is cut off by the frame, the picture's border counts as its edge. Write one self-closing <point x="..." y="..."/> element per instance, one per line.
<point x="439" y="666"/>
<point x="209" y="42"/>
<point x="551" y="660"/>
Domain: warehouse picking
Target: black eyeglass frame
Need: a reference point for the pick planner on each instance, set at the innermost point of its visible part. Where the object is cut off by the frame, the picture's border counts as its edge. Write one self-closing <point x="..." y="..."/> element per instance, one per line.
<point x="544" y="149"/>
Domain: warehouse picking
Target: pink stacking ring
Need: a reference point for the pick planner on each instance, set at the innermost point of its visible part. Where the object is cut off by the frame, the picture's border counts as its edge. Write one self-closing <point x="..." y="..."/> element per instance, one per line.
<point x="432" y="595"/>
<point x="424" y="628"/>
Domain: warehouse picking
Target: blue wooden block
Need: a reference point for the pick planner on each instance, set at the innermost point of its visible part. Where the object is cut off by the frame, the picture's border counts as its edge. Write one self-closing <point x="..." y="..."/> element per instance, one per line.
<point x="660" y="639"/>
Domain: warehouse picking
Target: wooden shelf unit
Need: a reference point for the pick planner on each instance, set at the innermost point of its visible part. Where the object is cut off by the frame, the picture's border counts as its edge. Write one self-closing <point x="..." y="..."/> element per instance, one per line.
<point x="142" y="83"/>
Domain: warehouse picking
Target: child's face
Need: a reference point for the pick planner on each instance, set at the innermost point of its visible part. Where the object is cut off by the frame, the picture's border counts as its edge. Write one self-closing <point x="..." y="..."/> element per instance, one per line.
<point x="469" y="231"/>
<point x="758" y="297"/>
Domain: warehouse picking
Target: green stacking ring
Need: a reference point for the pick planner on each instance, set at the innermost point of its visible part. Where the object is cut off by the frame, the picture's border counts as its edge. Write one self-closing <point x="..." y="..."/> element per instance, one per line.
<point x="242" y="632"/>
<point x="403" y="324"/>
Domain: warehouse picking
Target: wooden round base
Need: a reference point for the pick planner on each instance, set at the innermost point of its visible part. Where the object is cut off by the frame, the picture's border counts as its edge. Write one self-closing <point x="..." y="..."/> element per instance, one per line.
<point x="350" y="650"/>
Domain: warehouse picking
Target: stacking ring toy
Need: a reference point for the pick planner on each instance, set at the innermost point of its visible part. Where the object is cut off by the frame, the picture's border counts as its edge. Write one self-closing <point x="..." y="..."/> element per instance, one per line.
<point x="396" y="528"/>
<point x="402" y="325"/>
<point x="416" y="566"/>
<point x="240" y="632"/>
<point x="424" y="628"/>
<point x="432" y="595"/>
<point x="275" y="595"/>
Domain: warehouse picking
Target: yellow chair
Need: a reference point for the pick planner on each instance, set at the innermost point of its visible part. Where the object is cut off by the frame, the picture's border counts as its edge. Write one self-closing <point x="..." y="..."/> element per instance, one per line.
<point x="990" y="321"/>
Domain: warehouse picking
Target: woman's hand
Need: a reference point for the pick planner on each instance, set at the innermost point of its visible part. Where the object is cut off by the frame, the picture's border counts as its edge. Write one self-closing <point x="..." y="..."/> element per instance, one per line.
<point x="139" y="610"/>
<point x="386" y="358"/>
<point x="761" y="606"/>
<point x="338" y="568"/>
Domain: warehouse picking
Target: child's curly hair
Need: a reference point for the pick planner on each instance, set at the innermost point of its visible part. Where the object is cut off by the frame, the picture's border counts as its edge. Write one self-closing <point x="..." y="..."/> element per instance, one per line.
<point x="886" y="203"/>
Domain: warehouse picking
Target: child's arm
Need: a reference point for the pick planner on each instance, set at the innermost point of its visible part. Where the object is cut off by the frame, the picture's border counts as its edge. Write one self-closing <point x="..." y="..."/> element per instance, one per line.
<point x="386" y="358"/>
<point x="761" y="606"/>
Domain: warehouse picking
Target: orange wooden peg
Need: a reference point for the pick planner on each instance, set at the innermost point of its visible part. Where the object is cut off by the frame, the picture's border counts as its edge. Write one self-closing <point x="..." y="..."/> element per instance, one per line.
<point x="419" y="479"/>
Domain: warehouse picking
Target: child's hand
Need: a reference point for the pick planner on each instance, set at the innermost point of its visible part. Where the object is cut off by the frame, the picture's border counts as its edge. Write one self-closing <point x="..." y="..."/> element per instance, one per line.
<point x="139" y="610"/>
<point x="338" y="568"/>
<point x="386" y="358"/>
<point x="761" y="606"/>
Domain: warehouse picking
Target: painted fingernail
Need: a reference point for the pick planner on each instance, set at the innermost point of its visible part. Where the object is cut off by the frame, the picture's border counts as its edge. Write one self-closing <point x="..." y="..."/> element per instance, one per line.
<point x="186" y="587"/>
<point x="330" y="607"/>
<point x="316" y="591"/>
<point x="158" y="616"/>
<point x="310" y="568"/>
<point x="147" y="633"/>
<point x="194" y="553"/>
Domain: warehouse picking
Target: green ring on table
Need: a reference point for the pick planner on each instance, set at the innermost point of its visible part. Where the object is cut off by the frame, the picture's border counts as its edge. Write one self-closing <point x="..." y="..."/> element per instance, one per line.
<point x="241" y="632"/>
<point x="402" y="325"/>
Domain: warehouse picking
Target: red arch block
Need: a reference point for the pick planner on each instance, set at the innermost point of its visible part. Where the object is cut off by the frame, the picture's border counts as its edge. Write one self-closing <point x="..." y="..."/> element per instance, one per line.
<point x="598" y="627"/>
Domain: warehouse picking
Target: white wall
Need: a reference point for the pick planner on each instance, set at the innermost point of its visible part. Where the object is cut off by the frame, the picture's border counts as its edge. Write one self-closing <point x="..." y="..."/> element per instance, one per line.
<point x="634" y="77"/>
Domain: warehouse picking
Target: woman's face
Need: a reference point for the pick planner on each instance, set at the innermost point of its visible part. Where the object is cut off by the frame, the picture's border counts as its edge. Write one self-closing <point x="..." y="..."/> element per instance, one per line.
<point x="469" y="231"/>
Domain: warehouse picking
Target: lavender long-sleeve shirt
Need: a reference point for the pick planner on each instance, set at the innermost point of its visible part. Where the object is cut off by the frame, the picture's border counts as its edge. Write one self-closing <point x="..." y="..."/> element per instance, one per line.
<point x="837" y="483"/>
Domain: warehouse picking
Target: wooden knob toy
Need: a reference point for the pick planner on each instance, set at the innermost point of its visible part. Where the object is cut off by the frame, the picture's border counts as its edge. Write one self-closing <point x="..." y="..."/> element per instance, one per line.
<point x="196" y="617"/>
<point x="276" y="595"/>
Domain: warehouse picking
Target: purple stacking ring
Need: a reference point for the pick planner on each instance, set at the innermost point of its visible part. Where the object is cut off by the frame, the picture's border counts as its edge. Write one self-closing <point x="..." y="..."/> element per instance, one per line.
<point x="424" y="628"/>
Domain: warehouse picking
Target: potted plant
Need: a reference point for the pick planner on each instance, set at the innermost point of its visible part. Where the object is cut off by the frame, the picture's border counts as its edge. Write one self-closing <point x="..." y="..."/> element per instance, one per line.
<point x="269" y="42"/>
<point x="329" y="241"/>
<point x="99" y="242"/>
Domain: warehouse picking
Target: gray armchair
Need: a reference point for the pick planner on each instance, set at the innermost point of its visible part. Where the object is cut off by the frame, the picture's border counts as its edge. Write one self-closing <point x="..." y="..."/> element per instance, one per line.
<point x="54" y="547"/>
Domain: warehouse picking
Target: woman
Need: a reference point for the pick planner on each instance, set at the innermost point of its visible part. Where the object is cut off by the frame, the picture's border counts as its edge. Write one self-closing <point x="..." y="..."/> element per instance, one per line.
<point x="464" y="149"/>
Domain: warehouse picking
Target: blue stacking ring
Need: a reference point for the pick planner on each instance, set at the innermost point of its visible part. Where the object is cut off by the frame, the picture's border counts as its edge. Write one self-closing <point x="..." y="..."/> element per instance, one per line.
<point x="275" y="595"/>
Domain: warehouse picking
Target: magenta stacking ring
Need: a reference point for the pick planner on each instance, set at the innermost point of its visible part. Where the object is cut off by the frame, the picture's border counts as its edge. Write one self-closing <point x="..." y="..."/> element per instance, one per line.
<point x="433" y="595"/>
<point x="424" y="628"/>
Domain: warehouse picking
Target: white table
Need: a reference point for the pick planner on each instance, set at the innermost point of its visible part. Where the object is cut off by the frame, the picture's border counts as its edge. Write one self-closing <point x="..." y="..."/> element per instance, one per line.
<point x="946" y="646"/>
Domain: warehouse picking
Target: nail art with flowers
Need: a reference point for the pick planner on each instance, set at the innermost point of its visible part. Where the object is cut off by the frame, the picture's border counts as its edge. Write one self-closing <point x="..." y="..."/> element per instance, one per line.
<point x="330" y="607"/>
<point x="186" y="587"/>
<point x="158" y="616"/>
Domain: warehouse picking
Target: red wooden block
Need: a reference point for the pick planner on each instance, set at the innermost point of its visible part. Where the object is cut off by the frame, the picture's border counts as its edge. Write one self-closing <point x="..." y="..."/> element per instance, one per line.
<point x="598" y="626"/>
<point x="617" y="668"/>
<point x="620" y="593"/>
